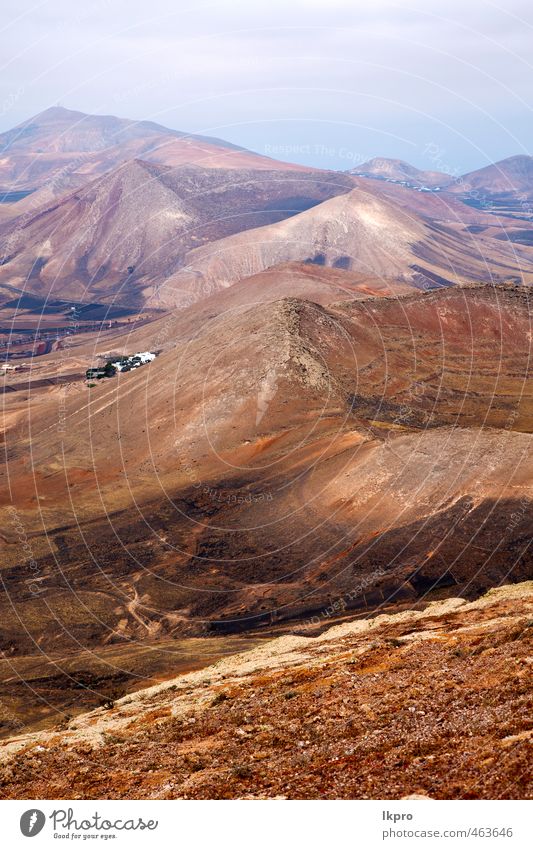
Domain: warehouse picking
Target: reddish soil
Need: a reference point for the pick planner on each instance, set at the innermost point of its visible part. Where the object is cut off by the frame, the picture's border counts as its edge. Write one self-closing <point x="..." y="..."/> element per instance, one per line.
<point x="435" y="703"/>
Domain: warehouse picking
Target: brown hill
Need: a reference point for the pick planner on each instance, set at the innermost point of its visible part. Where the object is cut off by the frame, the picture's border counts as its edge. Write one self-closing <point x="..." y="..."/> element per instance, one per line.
<point x="171" y="236"/>
<point x="375" y="708"/>
<point x="275" y="456"/>
<point x="398" y="171"/>
<point x="363" y="231"/>
<point x="303" y="280"/>
<point x="120" y="234"/>
<point x="505" y="188"/>
<point x="513" y="175"/>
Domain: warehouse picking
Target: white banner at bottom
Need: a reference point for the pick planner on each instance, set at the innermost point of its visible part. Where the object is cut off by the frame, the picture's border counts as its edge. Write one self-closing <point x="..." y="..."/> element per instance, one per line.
<point x="245" y="824"/>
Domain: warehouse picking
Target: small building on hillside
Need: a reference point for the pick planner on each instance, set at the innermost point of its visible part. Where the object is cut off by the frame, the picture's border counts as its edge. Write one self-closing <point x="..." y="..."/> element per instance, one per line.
<point x="133" y="361"/>
<point x="123" y="363"/>
<point x="99" y="372"/>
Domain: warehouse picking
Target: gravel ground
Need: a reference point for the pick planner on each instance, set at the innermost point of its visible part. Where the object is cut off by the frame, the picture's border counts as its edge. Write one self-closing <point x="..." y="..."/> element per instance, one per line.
<point x="436" y="703"/>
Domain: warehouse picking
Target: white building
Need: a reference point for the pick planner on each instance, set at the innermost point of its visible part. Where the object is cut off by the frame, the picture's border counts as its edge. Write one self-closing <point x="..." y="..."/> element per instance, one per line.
<point x="133" y="361"/>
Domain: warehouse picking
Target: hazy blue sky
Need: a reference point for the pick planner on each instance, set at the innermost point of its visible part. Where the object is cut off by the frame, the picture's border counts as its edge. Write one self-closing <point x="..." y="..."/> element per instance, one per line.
<point x="323" y="82"/>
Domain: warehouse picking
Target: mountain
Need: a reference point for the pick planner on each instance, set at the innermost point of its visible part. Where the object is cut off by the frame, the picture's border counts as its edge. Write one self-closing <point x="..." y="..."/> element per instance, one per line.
<point x="149" y="234"/>
<point x="271" y="457"/>
<point x="119" y="235"/>
<point x="363" y="231"/>
<point x="512" y="175"/>
<point x="93" y="236"/>
<point x="330" y="423"/>
<point x="505" y="188"/>
<point x="279" y="454"/>
<point x="64" y="148"/>
<point x="172" y="233"/>
<point x="509" y="176"/>
<point x="306" y="281"/>
<point x="61" y="130"/>
<point x="398" y="171"/>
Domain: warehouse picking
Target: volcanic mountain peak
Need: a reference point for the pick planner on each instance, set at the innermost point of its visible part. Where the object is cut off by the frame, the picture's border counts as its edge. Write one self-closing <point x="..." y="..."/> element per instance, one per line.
<point x="306" y="450"/>
<point x="113" y="127"/>
<point x="131" y="174"/>
<point x="53" y="114"/>
<point x="399" y="171"/>
<point x="521" y="163"/>
<point x="355" y="230"/>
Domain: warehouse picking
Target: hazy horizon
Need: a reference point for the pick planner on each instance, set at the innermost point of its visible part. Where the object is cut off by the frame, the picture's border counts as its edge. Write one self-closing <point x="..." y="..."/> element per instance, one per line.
<point x="441" y="91"/>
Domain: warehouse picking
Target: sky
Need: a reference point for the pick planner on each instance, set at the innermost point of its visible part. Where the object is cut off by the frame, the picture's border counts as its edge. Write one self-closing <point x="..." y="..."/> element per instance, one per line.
<point x="328" y="83"/>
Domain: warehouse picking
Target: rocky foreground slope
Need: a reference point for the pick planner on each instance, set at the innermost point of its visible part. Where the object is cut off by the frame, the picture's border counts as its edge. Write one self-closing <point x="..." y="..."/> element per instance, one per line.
<point x="433" y="702"/>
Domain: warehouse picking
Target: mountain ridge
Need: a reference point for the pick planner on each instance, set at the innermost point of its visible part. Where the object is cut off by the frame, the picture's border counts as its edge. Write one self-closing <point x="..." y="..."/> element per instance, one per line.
<point x="398" y="170"/>
<point x="61" y="144"/>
